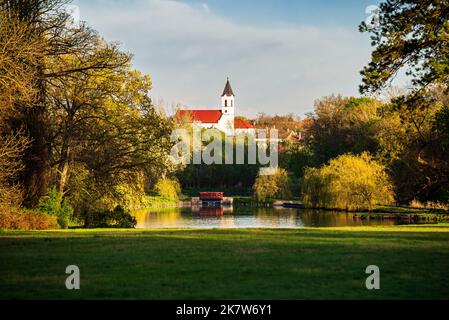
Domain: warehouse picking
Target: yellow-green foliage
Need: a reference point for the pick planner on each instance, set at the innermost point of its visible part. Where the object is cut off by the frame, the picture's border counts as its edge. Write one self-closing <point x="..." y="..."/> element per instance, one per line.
<point x="272" y="186"/>
<point x="88" y="196"/>
<point x="348" y="183"/>
<point x="130" y="195"/>
<point x="168" y="188"/>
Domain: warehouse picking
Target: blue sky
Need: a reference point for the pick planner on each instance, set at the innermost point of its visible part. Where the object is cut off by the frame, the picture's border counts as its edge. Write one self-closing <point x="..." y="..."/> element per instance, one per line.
<point x="280" y="55"/>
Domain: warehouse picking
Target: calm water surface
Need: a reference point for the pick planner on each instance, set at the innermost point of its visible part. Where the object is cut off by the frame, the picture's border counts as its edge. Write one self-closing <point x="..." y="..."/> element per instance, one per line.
<point x="248" y="217"/>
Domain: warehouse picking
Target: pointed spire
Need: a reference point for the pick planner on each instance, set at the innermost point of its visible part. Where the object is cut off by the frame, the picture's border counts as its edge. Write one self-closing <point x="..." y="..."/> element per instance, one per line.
<point x="227" y="90"/>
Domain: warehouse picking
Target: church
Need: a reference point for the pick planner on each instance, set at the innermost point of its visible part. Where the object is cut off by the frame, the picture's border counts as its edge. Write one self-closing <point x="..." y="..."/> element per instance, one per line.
<point x="222" y="119"/>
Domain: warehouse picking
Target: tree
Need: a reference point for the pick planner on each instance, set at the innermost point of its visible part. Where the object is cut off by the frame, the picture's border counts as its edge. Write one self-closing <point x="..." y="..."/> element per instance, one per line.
<point x="412" y="35"/>
<point x="341" y="125"/>
<point x="47" y="25"/>
<point x="296" y="157"/>
<point x="75" y="100"/>
<point x="412" y="141"/>
<point x="349" y="183"/>
<point x="111" y="137"/>
<point x="15" y="86"/>
<point x="168" y="188"/>
<point x="12" y="148"/>
<point x="272" y="186"/>
<point x="15" y="77"/>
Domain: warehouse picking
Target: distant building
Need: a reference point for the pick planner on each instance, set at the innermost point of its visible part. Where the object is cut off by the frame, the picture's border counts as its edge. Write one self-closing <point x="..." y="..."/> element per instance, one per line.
<point x="222" y="119"/>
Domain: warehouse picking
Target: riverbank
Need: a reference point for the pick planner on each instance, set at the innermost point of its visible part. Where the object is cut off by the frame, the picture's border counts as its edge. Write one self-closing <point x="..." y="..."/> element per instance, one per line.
<point x="400" y="213"/>
<point x="323" y="263"/>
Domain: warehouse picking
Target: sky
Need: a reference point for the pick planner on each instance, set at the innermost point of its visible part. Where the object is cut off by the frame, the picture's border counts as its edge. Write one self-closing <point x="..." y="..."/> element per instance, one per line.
<point x="280" y="55"/>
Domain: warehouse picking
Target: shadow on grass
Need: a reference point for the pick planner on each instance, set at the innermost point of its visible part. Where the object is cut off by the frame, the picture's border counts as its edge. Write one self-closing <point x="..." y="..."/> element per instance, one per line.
<point x="225" y="264"/>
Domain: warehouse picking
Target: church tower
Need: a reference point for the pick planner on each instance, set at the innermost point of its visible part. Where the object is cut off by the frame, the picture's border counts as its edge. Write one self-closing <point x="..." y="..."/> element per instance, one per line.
<point x="227" y="99"/>
<point x="227" y="108"/>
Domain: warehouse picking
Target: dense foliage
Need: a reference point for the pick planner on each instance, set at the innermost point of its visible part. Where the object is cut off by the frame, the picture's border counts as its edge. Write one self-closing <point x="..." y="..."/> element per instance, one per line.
<point x="275" y="185"/>
<point x="342" y="125"/>
<point x="55" y="205"/>
<point x="80" y="139"/>
<point x="347" y="183"/>
<point x="75" y="117"/>
<point x="117" y="218"/>
<point x="239" y="177"/>
<point x="169" y="189"/>
<point x="413" y="36"/>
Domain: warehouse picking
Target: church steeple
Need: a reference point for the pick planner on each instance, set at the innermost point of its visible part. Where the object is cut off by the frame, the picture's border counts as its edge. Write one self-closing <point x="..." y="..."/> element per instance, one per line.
<point x="227" y="101"/>
<point x="228" y="90"/>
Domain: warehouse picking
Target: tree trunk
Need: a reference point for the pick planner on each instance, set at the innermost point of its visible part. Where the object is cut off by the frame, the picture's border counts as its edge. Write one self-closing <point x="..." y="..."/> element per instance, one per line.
<point x="63" y="169"/>
<point x="37" y="158"/>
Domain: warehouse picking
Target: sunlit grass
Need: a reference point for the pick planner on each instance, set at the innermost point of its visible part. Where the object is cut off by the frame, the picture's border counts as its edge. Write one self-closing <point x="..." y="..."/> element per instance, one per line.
<point x="227" y="263"/>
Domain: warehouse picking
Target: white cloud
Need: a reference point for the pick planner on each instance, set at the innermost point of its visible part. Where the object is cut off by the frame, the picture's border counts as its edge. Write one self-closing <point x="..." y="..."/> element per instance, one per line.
<point x="205" y="6"/>
<point x="190" y="50"/>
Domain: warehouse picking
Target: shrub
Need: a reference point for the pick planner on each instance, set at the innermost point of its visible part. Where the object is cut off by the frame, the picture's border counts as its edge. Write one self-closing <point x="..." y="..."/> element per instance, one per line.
<point x="274" y="185"/>
<point x="429" y="205"/>
<point x="16" y="218"/>
<point x="168" y="188"/>
<point x="349" y="183"/>
<point x="313" y="187"/>
<point x="54" y="205"/>
<point x="117" y="218"/>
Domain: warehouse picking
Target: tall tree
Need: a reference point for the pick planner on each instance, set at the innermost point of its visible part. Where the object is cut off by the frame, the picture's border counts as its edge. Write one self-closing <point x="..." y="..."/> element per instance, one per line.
<point x="49" y="25"/>
<point x="15" y="87"/>
<point x="104" y="121"/>
<point x="341" y="125"/>
<point x="411" y="35"/>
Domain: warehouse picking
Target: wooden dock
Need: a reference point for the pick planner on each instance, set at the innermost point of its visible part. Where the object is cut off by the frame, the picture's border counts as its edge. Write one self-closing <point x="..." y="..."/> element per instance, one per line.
<point x="226" y="201"/>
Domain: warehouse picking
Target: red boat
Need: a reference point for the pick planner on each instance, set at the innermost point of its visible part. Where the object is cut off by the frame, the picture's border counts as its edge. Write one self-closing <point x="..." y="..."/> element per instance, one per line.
<point x="211" y="196"/>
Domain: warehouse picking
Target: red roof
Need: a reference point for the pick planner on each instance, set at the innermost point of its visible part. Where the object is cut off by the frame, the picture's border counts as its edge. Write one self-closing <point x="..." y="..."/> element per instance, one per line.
<point x="203" y="116"/>
<point x="210" y="116"/>
<point x="242" y="124"/>
<point x="211" y="195"/>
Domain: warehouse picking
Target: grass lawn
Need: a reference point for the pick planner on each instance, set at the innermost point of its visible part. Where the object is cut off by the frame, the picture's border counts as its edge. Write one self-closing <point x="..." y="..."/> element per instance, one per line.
<point x="227" y="264"/>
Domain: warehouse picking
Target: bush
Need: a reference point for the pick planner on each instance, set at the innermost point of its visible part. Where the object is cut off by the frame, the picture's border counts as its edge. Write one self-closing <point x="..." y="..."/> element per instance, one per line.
<point x="275" y="185"/>
<point x="16" y="218"/>
<point x="117" y="218"/>
<point x="348" y="183"/>
<point x="169" y="189"/>
<point x="54" y="205"/>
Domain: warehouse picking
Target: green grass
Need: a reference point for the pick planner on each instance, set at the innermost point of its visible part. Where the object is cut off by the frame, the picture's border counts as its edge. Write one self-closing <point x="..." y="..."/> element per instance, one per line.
<point x="407" y="210"/>
<point x="228" y="191"/>
<point x="252" y="201"/>
<point x="227" y="264"/>
<point x="158" y="201"/>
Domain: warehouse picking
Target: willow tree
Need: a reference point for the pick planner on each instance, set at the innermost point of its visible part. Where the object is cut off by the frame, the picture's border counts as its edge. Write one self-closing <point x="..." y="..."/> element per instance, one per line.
<point x="272" y="186"/>
<point x="347" y="183"/>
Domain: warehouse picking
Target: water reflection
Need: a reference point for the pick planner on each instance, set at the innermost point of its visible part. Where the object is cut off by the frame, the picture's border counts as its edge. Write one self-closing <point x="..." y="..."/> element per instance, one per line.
<point x="248" y="217"/>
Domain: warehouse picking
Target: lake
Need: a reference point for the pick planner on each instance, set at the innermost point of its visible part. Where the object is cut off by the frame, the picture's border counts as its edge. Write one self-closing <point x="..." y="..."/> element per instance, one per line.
<point x="248" y="217"/>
